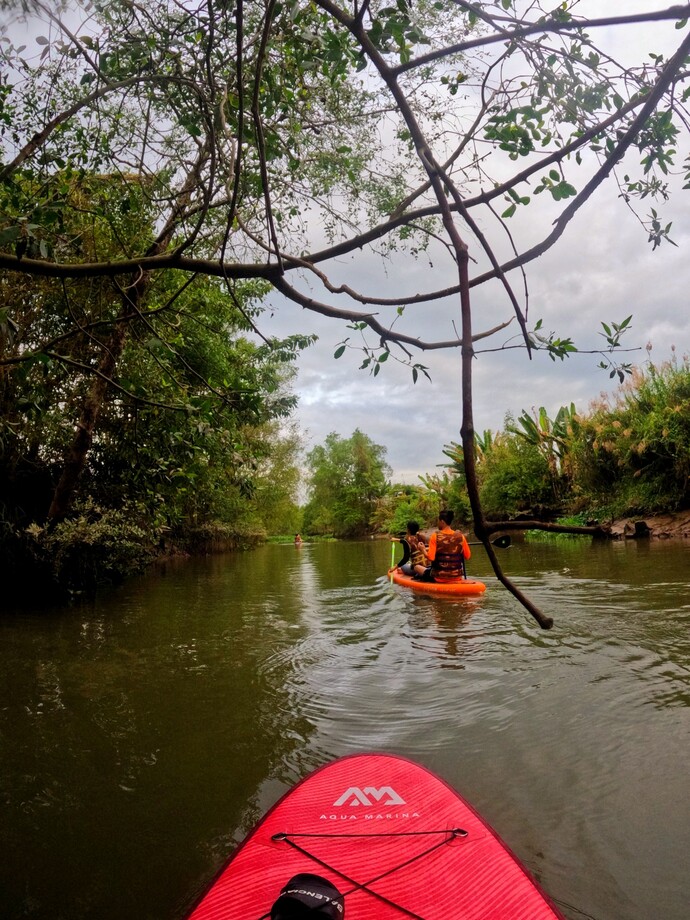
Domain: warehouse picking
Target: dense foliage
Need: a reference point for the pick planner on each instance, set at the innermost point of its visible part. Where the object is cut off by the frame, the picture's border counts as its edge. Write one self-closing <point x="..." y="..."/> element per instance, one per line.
<point x="403" y="503"/>
<point x="346" y="478"/>
<point x="180" y="411"/>
<point x="629" y="454"/>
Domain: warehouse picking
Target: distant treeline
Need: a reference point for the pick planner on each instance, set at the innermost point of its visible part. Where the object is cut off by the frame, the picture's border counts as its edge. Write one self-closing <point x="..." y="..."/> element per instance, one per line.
<point x="160" y="481"/>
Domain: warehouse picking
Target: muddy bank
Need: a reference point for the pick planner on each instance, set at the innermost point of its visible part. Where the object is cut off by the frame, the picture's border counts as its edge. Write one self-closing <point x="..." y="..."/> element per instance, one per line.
<point x="653" y="526"/>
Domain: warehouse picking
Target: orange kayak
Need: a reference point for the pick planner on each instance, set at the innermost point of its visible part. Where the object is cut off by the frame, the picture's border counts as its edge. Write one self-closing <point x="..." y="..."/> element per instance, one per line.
<point x="462" y="587"/>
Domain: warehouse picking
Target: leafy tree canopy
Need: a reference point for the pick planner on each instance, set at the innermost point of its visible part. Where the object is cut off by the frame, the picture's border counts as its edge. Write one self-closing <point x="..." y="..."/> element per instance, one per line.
<point x="347" y="477"/>
<point x="273" y="139"/>
<point x="254" y="129"/>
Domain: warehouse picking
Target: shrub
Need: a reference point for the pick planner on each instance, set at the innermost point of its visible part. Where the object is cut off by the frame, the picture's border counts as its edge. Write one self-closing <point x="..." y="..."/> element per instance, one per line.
<point x="632" y="453"/>
<point x="95" y="546"/>
<point x="515" y="479"/>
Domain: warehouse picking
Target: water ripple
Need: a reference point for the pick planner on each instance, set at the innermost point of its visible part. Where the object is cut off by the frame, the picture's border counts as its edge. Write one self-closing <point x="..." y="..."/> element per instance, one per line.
<point x="228" y="680"/>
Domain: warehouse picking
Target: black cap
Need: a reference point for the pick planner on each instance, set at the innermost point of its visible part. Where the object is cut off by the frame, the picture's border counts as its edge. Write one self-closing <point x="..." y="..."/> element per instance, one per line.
<point x="308" y="896"/>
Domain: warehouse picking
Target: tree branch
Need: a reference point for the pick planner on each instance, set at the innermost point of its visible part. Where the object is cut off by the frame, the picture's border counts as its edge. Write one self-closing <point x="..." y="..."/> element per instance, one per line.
<point x="554" y="25"/>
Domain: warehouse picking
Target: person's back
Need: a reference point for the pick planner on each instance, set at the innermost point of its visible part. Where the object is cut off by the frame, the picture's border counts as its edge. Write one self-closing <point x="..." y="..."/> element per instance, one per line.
<point x="450" y="555"/>
<point x="447" y="551"/>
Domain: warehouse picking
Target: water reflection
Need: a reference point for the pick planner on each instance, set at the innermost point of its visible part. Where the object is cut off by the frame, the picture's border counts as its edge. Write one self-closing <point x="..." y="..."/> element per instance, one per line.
<point x="440" y="629"/>
<point x="143" y="734"/>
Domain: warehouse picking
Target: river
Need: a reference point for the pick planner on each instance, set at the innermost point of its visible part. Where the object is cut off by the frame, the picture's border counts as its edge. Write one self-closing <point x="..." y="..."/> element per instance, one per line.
<point x="142" y="735"/>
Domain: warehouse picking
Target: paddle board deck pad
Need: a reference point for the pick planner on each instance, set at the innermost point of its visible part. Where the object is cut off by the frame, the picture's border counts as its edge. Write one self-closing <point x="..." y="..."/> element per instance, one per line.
<point x="391" y="837"/>
<point x="463" y="587"/>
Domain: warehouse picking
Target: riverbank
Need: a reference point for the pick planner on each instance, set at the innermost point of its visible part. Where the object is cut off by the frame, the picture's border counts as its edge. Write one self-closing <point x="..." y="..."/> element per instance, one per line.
<point x="654" y="526"/>
<point x="102" y="549"/>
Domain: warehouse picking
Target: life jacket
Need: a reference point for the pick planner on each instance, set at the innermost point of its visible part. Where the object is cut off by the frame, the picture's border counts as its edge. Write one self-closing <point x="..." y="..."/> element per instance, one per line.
<point x="417" y="556"/>
<point x="449" y="561"/>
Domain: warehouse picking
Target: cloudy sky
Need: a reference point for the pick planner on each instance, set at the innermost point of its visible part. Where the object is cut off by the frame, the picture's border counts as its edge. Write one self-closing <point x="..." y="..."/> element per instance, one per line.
<point x="602" y="269"/>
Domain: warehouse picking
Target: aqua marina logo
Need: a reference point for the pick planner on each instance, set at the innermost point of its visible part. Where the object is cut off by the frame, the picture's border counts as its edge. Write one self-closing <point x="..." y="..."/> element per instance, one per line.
<point x="369" y="796"/>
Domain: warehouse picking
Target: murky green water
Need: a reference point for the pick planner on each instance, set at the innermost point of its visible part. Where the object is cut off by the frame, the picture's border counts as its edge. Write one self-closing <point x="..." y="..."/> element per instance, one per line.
<point x="141" y="736"/>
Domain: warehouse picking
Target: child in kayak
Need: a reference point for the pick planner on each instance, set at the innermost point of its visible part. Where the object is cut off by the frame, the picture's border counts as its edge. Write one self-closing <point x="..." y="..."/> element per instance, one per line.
<point x="417" y="543"/>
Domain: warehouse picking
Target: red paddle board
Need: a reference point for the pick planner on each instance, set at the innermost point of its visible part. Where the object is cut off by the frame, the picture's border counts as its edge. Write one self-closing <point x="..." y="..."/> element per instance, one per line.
<point x="392" y="837"/>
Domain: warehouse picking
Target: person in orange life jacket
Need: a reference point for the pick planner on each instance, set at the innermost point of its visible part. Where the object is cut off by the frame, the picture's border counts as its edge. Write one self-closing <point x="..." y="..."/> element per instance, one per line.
<point x="446" y="552"/>
<point x="417" y="543"/>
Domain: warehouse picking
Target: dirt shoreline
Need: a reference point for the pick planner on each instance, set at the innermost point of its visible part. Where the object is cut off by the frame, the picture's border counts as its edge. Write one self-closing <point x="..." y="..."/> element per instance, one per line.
<point x="653" y="527"/>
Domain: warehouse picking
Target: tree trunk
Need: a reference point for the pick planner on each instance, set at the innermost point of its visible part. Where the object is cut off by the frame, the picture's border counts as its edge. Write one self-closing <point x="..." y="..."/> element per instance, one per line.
<point x="75" y="460"/>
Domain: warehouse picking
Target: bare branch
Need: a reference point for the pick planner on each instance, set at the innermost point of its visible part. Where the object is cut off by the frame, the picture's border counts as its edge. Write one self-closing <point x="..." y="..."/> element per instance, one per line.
<point x="544" y="26"/>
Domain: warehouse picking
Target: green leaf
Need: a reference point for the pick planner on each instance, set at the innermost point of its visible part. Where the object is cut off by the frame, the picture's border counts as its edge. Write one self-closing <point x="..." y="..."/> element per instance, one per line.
<point x="9" y="234"/>
<point x="339" y="352"/>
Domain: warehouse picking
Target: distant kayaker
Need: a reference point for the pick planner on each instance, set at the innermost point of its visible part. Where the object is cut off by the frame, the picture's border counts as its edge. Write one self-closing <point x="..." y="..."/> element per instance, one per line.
<point x="298" y="540"/>
<point x="446" y="552"/>
<point x="415" y="540"/>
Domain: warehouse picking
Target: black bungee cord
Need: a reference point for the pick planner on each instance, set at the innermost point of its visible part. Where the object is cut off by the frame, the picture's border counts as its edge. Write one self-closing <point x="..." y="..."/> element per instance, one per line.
<point x="448" y="835"/>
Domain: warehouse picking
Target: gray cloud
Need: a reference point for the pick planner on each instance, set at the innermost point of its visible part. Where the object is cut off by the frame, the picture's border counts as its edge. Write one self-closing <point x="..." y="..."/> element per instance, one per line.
<point x="603" y="269"/>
